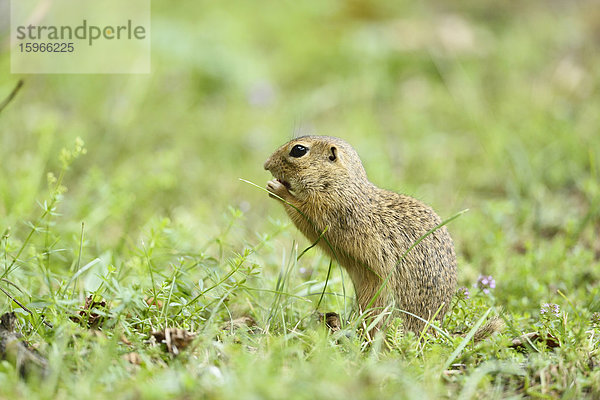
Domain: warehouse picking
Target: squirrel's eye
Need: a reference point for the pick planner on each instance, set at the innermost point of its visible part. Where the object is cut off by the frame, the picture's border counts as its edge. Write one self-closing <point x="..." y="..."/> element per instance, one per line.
<point x="298" y="151"/>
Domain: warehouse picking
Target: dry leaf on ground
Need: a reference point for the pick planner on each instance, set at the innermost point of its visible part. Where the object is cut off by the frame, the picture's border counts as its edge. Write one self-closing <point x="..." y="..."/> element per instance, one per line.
<point x="133" y="358"/>
<point x="87" y="317"/>
<point x="17" y="351"/>
<point x="237" y="323"/>
<point x="523" y="341"/>
<point x="175" y="339"/>
<point x="332" y="320"/>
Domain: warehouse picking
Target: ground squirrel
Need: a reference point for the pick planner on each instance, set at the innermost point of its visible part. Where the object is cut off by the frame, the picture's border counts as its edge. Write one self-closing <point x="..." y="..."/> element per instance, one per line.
<point x="368" y="229"/>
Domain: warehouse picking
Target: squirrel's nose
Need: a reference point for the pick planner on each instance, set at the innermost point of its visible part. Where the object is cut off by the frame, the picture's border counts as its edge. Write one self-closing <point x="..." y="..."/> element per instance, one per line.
<point x="267" y="164"/>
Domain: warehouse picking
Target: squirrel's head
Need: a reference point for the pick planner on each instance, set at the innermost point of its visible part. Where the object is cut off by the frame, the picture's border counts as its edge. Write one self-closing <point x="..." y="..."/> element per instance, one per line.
<point x="313" y="165"/>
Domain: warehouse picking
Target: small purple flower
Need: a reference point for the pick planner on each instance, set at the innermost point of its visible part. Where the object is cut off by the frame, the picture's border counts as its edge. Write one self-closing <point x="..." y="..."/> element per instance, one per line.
<point x="550" y="308"/>
<point x="596" y="319"/>
<point x="485" y="283"/>
<point x="463" y="292"/>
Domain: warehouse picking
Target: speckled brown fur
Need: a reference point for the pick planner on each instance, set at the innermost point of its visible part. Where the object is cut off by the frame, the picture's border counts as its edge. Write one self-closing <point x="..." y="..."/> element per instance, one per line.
<point x="368" y="228"/>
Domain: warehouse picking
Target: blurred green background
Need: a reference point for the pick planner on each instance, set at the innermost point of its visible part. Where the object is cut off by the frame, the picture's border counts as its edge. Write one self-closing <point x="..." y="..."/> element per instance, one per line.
<point x="492" y="106"/>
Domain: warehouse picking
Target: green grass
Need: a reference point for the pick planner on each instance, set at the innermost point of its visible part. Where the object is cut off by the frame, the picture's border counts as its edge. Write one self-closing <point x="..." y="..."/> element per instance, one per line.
<point x="490" y="106"/>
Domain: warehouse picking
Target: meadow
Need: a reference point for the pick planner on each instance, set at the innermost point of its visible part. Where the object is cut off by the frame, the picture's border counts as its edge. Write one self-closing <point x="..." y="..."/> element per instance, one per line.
<point x="127" y="188"/>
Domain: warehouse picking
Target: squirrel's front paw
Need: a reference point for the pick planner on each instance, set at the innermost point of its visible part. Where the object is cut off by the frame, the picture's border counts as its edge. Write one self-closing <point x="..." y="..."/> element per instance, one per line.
<point x="278" y="190"/>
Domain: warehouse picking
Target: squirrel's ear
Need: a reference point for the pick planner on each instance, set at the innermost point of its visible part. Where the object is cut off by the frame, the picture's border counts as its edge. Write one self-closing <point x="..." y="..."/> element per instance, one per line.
<point x="333" y="155"/>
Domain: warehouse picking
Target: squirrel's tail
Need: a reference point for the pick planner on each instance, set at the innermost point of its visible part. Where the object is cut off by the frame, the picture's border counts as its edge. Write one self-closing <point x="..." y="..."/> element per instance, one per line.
<point x="494" y="325"/>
